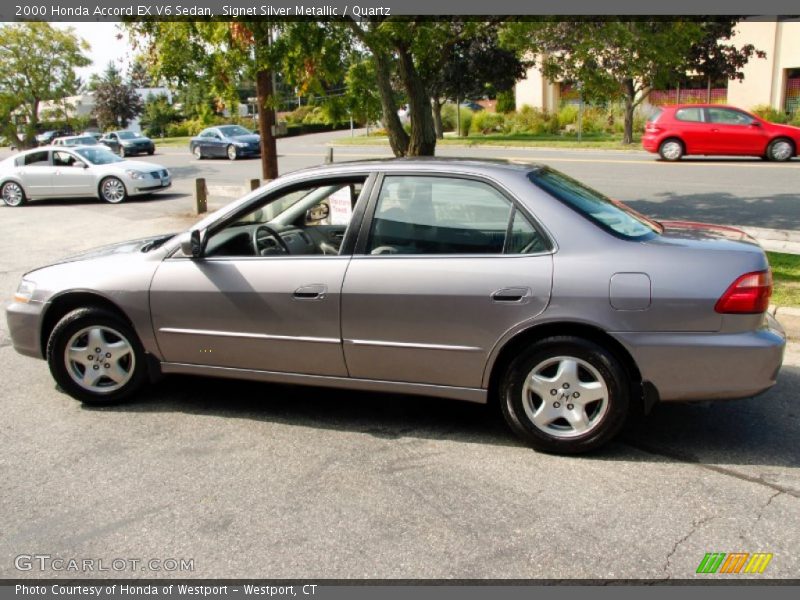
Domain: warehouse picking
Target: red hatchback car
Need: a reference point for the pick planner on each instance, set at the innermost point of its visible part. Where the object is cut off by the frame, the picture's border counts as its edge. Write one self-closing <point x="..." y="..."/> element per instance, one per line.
<point x="682" y="129"/>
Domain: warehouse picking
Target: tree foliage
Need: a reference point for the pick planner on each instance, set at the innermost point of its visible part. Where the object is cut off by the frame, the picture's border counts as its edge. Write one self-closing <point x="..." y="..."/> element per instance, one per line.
<point x="37" y="63"/>
<point x="157" y="113"/>
<point x="116" y="101"/>
<point x="613" y="60"/>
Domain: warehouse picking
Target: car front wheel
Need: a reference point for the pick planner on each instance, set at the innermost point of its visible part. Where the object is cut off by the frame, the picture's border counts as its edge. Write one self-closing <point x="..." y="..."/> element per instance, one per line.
<point x="13" y="194"/>
<point x="96" y="357"/>
<point x="565" y="395"/>
<point x="671" y="150"/>
<point x="113" y="190"/>
<point x="121" y="152"/>
<point x="780" y="150"/>
<point x="198" y="153"/>
<point x="232" y="154"/>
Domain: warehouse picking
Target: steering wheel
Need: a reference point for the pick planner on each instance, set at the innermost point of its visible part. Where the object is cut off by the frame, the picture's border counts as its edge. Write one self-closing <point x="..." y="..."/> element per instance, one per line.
<point x="268" y="242"/>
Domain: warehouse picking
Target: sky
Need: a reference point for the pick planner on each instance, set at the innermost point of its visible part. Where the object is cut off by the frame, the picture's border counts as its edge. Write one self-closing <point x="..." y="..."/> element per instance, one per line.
<point x="105" y="46"/>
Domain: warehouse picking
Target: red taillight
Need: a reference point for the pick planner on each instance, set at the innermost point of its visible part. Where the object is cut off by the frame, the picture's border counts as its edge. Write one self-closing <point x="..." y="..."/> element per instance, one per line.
<point x="650" y="126"/>
<point x="749" y="294"/>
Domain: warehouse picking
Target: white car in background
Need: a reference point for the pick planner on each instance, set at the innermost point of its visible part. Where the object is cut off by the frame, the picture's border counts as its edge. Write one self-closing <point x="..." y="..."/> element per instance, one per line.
<point x="77" y="171"/>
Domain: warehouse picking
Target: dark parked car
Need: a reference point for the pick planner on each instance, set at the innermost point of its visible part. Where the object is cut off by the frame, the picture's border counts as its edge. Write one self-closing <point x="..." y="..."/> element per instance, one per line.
<point x="47" y="137"/>
<point x="451" y="278"/>
<point x="712" y="129"/>
<point x="126" y="143"/>
<point x="231" y="141"/>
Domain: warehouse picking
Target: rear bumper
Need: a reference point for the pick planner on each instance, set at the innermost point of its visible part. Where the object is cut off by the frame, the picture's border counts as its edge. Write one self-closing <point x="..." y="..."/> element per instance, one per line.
<point x="708" y="366"/>
<point x="650" y="142"/>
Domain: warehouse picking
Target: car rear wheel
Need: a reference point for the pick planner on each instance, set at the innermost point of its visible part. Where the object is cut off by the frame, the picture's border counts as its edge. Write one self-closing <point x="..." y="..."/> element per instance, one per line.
<point x="565" y="395"/>
<point x="113" y="190"/>
<point x="13" y="194"/>
<point x="198" y="153"/>
<point x="96" y="357"/>
<point x="780" y="150"/>
<point x="671" y="149"/>
<point x="121" y="152"/>
<point x="232" y="154"/>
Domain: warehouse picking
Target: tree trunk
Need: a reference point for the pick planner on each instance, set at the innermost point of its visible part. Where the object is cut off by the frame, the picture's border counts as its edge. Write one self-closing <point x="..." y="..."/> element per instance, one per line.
<point x="708" y="95"/>
<point x="423" y="135"/>
<point x="630" y="97"/>
<point x="398" y="138"/>
<point x="266" y="121"/>
<point x="436" y="107"/>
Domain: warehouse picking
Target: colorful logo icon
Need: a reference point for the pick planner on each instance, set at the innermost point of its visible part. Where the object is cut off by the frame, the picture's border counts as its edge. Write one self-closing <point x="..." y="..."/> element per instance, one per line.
<point x="734" y="563"/>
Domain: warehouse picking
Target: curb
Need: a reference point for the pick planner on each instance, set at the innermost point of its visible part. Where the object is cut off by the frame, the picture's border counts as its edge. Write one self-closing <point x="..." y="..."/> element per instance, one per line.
<point x="789" y="318"/>
<point x="774" y="240"/>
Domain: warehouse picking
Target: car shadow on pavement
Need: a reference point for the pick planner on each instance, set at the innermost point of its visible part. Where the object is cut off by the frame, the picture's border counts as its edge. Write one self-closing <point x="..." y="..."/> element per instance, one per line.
<point x="50" y="202"/>
<point x="776" y="211"/>
<point x="754" y="431"/>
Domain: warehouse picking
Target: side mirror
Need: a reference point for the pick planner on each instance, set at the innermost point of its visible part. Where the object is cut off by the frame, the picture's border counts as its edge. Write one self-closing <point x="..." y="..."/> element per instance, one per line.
<point x="755" y="123"/>
<point x="80" y="165"/>
<point x="317" y="213"/>
<point x="191" y="244"/>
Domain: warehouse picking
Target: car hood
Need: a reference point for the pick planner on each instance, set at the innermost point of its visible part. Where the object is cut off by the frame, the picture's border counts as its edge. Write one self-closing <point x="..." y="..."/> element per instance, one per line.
<point x="125" y="248"/>
<point x="137" y="165"/>
<point x="247" y="138"/>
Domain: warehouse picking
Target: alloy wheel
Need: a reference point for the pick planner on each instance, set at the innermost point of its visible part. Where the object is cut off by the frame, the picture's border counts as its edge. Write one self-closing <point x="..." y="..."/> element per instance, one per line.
<point x="671" y="150"/>
<point x="99" y="359"/>
<point x="13" y="194"/>
<point x="780" y="150"/>
<point x="113" y="190"/>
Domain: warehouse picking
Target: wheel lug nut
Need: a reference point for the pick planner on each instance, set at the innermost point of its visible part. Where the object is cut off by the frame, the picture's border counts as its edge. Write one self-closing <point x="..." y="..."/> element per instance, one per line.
<point x="97" y="350"/>
<point x="552" y="392"/>
<point x="570" y="406"/>
<point x="90" y="357"/>
<point x="107" y="366"/>
<point x="576" y="395"/>
<point x="95" y="367"/>
<point x="556" y="404"/>
<point x="566" y="386"/>
<point x="108" y="354"/>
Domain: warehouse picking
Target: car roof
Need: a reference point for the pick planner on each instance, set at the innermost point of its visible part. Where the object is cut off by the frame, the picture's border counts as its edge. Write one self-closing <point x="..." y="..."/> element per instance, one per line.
<point x="703" y="105"/>
<point x="484" y="166"/>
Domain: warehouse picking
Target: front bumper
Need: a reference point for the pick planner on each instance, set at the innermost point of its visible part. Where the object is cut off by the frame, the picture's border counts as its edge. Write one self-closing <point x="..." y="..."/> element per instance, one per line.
<point x="154" y="186"/>
<point x="24" y="324"/>
<point x="708" y="366"/>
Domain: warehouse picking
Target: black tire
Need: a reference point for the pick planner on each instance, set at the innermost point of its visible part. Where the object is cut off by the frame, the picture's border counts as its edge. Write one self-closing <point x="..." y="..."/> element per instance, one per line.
<point x="106" y="390"/>
<point x="671" y="149"/>
<point x="151" y="152"/>
<point x="113" y="190"/>
<point x="231" y="152"/>
<point x="604" y="418"/>
<point x="780" y="150"/>
<point x="13" y="194"/>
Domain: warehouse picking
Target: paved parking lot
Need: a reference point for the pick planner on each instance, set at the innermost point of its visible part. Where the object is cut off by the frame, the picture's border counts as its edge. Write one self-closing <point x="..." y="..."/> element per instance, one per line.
<point x="254" y="480"/>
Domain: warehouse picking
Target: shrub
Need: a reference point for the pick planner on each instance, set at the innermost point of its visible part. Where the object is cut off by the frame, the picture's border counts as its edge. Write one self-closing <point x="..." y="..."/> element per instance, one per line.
<point x="567" y="115"/>
<point x="449" y="118"/>
<point x="795" y="119"/>
<point x="768" y="113"/>
<point x="180" y="129"/>
<point x="531" y="121"/>
<point x="506" y="102"/>
<point x="485" y="122"/>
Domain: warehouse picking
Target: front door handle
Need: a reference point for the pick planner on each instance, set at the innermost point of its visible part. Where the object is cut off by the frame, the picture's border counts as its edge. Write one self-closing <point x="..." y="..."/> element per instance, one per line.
<point x="310" y="292"/>
<point x="510" y="295"/>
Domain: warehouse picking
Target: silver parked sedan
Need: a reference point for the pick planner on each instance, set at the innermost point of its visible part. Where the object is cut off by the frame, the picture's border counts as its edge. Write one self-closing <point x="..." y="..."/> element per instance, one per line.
<point x="452" y="278"/>
<point x="77" y="171"/>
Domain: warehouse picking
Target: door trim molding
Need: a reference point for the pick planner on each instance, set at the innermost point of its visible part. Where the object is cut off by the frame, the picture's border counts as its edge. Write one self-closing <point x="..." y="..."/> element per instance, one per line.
<point x="255" y="336"/>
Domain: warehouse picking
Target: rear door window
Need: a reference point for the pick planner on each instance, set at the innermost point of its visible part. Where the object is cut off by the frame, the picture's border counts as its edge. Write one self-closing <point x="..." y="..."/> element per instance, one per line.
<point x="692" y="114"/>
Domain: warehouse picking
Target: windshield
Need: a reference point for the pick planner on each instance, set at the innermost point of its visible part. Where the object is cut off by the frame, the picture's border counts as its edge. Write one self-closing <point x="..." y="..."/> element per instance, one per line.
<point x="611" y="215"/>
<point x="81" y="141"/>
<point x="98" y="156"/>
<point x="233" y="130"/>
<point x="126" y="135"/>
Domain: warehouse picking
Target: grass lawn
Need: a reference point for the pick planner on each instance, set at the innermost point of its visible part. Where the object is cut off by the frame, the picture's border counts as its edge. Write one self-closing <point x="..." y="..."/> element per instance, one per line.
<point x="610" y="142"/>
<point x="786" y="274"/>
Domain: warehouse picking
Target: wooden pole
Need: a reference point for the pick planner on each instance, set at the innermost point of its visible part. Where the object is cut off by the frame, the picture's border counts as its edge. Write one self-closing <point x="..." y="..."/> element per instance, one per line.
<point x="200" y="195"/>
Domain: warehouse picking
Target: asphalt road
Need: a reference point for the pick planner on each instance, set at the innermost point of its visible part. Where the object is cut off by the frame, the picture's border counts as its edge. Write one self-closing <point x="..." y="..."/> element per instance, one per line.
<point x="254" y="480"/>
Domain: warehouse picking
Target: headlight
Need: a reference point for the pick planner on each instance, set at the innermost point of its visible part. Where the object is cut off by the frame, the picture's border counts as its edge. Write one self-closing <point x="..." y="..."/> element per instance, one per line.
<point x="25" y="291"/>
<point x="135" y="174"/>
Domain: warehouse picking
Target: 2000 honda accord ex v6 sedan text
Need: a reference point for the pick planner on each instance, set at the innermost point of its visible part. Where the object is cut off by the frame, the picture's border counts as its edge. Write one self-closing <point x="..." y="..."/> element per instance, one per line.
<point x="453" y="278"/>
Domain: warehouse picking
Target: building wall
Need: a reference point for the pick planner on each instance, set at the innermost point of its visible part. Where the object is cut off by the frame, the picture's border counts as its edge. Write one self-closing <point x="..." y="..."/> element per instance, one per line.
<point x="536" y="91"/>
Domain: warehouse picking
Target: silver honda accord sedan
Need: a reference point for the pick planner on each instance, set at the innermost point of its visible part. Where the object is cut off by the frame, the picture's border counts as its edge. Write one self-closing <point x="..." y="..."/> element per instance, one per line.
<point x="463" y="279"/>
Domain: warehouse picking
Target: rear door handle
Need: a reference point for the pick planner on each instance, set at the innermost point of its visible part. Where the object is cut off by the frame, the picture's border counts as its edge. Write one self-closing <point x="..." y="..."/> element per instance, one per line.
<point x="310" y="292"/>
<point x="715" y="130"/>
<point x="510" y="295"/>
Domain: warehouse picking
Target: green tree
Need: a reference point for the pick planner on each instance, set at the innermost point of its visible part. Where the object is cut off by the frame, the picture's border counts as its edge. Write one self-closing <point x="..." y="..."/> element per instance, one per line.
<point x="37" y="63"/>
<point x="157" y="114"/>
<point x="362" y="99"/>
<point x="116" y="100"/>
<point x="614" y="60"/>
